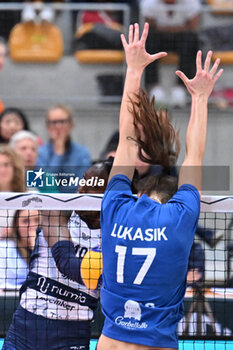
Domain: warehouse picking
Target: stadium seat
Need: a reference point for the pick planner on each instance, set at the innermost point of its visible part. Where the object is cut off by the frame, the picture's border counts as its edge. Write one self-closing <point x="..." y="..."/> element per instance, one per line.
<point x="225" y="56"/>
<point x="35" y="42"/>
<point x="98" y="56"/>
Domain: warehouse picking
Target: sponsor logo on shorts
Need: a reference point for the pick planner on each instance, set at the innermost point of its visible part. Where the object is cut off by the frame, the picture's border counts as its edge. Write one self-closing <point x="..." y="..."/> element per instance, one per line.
<point x="46" y="287"/>
<point x="58" y="302"/>
<point x="132" y="316"/>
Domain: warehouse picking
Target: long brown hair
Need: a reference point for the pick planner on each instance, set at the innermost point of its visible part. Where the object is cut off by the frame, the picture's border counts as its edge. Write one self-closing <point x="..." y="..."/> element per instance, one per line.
<point x="18" y="181"/>
<point x="12" y="233"/>
<point x="164" y="185"/>
<point x="158" y="142"/>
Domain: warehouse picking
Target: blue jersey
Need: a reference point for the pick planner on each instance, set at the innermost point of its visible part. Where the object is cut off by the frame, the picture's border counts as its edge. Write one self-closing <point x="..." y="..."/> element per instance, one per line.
<point x="146" y="247"/>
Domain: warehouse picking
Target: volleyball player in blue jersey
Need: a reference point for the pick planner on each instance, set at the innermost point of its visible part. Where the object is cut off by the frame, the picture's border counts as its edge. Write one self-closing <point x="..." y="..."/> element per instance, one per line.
<point x="146" y="242"/>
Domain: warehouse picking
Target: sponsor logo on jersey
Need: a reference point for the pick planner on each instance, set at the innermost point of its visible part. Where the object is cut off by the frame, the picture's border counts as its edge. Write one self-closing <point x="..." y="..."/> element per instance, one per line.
<point x="58" y="302"/>
<point x="36" y="200"/>
<point x="46" y="287"/>
<point x="85" y="236"/>
<point x="132" y="316"/>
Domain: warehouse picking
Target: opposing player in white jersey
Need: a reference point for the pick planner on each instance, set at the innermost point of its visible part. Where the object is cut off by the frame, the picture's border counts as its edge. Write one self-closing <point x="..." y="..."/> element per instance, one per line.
<point x="56" y="307"/>
<point x="146" y="242"/>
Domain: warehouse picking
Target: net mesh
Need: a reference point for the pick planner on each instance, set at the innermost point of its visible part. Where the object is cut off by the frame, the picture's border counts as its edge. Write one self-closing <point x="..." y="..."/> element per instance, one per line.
<point x="56" y="289"/>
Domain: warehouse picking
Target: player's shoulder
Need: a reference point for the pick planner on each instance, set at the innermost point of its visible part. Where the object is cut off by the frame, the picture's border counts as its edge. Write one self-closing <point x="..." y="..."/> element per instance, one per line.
<point x="186" y="199"/>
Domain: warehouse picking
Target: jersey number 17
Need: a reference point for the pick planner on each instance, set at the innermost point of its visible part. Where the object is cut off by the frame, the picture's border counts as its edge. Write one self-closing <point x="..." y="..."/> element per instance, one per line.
<point x="150" y="254"/>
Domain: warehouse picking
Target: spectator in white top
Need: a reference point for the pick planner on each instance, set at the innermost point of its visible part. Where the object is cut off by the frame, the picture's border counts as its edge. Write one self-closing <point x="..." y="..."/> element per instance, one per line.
<point x="173" y="27"/>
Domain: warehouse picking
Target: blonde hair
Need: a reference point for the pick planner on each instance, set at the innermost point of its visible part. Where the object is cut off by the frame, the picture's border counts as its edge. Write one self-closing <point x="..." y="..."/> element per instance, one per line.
<point x="64" y="108"/>
<point x="18" y="181"/>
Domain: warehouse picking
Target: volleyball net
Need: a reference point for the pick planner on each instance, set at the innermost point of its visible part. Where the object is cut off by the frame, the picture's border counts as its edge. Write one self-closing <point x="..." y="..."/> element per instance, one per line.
<point x="209" y="297"/>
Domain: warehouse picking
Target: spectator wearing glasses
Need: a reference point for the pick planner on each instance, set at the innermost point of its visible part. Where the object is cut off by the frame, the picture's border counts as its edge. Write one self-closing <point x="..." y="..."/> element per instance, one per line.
<point x="61" y="154"/>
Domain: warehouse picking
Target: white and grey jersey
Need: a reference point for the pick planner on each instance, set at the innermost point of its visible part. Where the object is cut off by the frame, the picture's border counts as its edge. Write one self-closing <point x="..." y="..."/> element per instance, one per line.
<point x="49" y="293"/>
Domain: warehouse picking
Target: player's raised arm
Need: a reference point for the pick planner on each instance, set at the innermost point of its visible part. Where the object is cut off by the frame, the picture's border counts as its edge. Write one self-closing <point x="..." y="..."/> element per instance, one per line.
<point x="54" y="225"/>
<point x="137" y="59"/>
<point x="200" y="88"/>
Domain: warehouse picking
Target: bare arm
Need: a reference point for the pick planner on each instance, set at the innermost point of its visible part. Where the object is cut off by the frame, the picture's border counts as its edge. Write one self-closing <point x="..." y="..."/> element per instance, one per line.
<point x="54" y="225"/>
<point x="137" y="59"/>
<point x="200" y="88"/>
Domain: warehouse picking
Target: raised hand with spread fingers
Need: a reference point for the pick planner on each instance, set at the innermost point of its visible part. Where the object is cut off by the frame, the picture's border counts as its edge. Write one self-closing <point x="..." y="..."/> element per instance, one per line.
<point x="200" y="88"/>
<point x="137" y="58"/>
<point x="205" y="78"/>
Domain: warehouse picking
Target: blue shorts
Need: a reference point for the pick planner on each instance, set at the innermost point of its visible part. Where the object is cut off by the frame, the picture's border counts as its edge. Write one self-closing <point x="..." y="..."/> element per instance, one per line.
<point x="31" y="332"/>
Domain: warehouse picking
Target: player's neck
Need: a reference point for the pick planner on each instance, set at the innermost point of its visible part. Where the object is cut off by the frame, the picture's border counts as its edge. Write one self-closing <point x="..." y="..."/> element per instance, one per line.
<point x="155" y="196"/>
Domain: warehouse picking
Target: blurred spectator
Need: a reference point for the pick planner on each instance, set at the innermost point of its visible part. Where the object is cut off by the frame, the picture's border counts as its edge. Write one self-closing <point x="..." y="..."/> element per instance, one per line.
<point x="2" y="62"/>
<point x="12" y="177"/>
<point x="172" y="28"/>
<point x="3" y="51"/>
<point x="15" y="249"/>
<point x="11" y="171"/>
<point x="11" y="121"/>
<point x="61" y="154"/>
<point x="25" y="144"/>
<point x="97" y="30"/>
<point x="44" y="13"/>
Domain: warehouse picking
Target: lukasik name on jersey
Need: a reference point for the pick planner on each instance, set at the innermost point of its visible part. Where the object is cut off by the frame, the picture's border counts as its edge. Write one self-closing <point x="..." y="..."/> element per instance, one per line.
<point x="137" y="233"/>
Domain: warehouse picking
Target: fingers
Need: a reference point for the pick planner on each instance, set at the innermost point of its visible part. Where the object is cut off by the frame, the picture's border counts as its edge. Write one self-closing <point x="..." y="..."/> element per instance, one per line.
<point x="145" y="33"/>
<point x="136" y="33"/>
<point x="218" y="75"/>
<point x="182" y="76"/>
<point x="198" y="62"/>
<point x="207" y="61"/>
<point x="130" y="34"/>
<point x="156" y="56"/>
<point x="124" y="42"/>
<point x="215" y="67"/>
